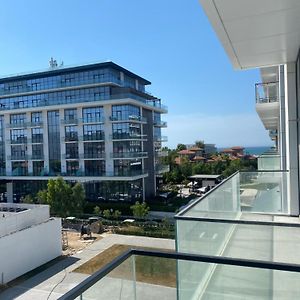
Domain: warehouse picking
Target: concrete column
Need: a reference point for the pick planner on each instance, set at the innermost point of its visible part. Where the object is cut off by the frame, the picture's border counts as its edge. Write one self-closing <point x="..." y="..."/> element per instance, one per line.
<point x="80" y="141"/>
<point x="136" y="84"/>
<point x="292" y="137"/>
<point x="45" y="140"/>
<point x="109" y="162"/>
<point x="7" y="144"/>
<point x="282" y="130"/>
<point x="10" y="192"/>
<point x="62" y="142"/>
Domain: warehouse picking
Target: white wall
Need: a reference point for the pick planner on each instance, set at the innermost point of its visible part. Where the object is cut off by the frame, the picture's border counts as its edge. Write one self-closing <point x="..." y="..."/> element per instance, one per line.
<point x="29" y="248"/>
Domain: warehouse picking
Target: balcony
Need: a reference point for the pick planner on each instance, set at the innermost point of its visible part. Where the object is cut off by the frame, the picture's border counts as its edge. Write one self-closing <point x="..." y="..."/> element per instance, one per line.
<point x="71" y="137"/>
<point x="267" y="104"/>
<point x="129" y="155"/>
<point x="92" y="155"/>
<point x="18" y="157"/>
<point x="18" y="140"/>
<point x="159" y="123"/>
<point x="160" y="139"/>
<point x="17" y="125"/>
<point x="146" y="275"/>
<point x="268" y="161"/>
<point x="35" y="124"/>
<point x="128" y="136"/>
<point x="92" y="137"/>
<point x="132" y="118"/>
<point x="70" y="121"/>
<point x="160" y="169"/>
<point x="70" y="156"/>
<point x="161" y="153"/>
<point x="92" y="120"/>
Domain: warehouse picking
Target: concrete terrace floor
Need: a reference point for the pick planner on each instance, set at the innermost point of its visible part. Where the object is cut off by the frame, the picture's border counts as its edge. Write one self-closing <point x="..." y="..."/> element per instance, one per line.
<point x="59" y="278"/>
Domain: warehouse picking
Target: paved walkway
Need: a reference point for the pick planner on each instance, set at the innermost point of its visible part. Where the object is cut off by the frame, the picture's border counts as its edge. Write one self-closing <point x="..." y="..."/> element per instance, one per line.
<point x="59" y="278"/>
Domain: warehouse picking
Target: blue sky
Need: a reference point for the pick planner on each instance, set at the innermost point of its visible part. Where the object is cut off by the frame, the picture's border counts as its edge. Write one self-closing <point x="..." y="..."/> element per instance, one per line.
<point x="170" y="43"/>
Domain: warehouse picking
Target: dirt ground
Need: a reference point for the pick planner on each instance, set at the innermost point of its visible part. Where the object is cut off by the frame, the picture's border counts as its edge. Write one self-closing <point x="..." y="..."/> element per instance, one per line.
<point x="75" y="243"/>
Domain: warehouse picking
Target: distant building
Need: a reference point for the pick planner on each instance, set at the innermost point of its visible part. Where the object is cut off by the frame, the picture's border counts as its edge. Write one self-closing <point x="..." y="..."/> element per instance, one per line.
<point x="236" y="151"/>
<point x="93" y="124"/>
<point x="210" y="149"/>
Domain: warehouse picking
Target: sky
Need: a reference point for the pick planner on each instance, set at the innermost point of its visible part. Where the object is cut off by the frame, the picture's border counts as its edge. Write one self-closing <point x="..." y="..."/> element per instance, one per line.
<point x="171" y="43"/>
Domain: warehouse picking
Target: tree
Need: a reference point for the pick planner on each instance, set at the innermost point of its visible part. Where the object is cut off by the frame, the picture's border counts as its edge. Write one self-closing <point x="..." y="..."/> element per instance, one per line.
<point x="199" y="144"/>
<point x="117" y="214"/>
<point x="181" y="147"/>
<point x="97" y="210"/>
<point x="106" y="213"/>
<point x="140" y="210"/>
<point x="62" y="198"/>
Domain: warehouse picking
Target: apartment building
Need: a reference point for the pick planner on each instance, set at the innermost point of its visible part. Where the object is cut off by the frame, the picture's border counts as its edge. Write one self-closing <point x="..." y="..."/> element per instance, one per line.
<point x="93" y="123"/>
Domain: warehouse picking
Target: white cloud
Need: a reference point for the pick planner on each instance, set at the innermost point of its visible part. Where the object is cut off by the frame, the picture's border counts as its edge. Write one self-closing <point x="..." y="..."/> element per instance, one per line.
<point x="228" y="130"/>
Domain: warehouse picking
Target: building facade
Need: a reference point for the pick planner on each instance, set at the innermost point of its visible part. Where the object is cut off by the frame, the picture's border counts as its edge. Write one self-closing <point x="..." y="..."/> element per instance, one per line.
<point x="94" y="124"/>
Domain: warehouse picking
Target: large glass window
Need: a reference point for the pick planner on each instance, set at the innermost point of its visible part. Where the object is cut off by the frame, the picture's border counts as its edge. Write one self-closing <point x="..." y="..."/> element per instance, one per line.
<point x="93" y="132"/>
<point x="127" y="146"/>
<point x="38" y="168"/>
<point x="126" y="130"/>
<point x="71" y="151"/>
<point x="71" y="115"/>
<point x="56" y="98"/>
<point x="36" y="117"/>
<point x="94" y="150"/>
<point x="125" y="112"/>
<point x="18" y="152"/>
<point x="71" y="133"/>
<point x="54" y="142"/>
<point x="124" y="167"/>
<point x="99" y="75"/>
<point x="37" y="135"/>
<point x="94" y="167"/>
<point x="37" y="151"/>
<point x="19" y="168"/>
<point x="73" y="168"/>
<point x="18" y="136"/>
<point x="18" y="119"/>
<point x="92" y="114"/>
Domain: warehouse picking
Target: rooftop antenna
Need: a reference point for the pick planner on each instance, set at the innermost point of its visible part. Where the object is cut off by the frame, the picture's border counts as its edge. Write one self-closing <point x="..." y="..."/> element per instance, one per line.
<point x="53" y="63"/>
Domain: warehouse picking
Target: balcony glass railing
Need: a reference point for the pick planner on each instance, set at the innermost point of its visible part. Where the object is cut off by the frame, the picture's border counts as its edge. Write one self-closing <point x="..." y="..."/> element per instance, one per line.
<point x="159" y="123"/>
<point x="127" y="136"/>
<point x="132" y="118"/>
<point x="160" y="139"/>
<point x="147" y="275"/>
<point x="267" y="92"/>
<point x="160" y="169"/>
<point x="98" y="173"/>
<point x="129" y="154"/>
<point x="268" y="162"/>
<point x="92" y="155"/>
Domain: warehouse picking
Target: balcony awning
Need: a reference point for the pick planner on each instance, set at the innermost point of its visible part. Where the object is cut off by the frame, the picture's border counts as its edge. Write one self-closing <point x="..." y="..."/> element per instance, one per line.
<point x="256" y="33"/>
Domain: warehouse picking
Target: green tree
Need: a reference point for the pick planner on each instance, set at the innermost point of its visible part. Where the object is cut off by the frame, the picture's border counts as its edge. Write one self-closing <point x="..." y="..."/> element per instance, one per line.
<point x="63" y="200"/>
<point x="181" y="147"/>
<point x="140" y="210"/>
<point x="199" y="144"/>
<point x="117" y="214"/>
<point x="97" y="210"/>
<point x="77" y="198"/>
<point x="106" y="213"/>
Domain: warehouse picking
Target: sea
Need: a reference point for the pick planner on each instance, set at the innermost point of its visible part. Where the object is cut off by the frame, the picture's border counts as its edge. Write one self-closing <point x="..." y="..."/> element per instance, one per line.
<point x="252" y="150"/>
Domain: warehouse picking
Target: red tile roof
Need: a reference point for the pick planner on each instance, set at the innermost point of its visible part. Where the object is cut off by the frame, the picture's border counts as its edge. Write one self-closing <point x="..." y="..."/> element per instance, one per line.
<point x="185" y="152"/>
